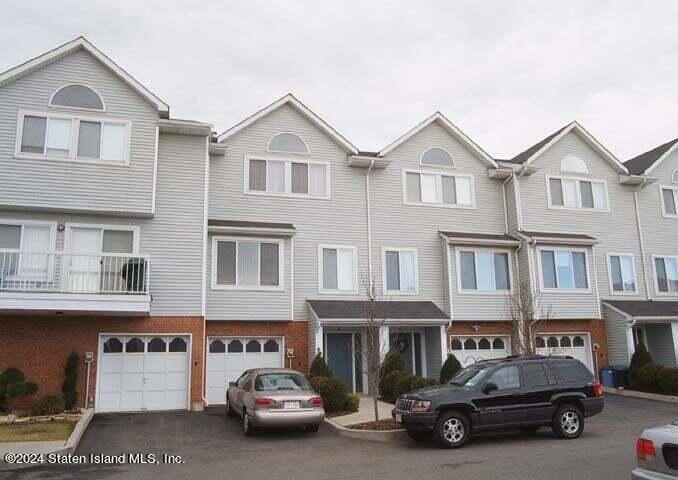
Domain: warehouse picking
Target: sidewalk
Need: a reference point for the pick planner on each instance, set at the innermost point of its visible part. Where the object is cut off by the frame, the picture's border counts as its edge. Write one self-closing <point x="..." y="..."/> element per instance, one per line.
<point x="365" y="412"/>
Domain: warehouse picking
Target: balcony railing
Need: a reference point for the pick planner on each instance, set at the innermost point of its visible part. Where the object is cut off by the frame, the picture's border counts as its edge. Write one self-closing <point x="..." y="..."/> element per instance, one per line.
<point x="58" y="272"/>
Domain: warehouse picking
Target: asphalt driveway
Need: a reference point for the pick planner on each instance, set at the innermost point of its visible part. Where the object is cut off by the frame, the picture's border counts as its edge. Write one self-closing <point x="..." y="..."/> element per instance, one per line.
<point x="212" y="446"/>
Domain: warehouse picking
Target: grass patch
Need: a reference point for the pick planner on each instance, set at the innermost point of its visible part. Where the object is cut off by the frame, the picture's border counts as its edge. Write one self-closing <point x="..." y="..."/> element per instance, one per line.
<point x="36" y="432"/>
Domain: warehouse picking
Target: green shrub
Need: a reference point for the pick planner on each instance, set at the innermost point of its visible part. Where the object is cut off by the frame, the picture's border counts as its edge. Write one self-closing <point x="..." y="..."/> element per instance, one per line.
<point x="13" y="385"/>
<point x="409" y="383"/>
<point x="667" y="381"/>
<point x="31" y="388"/>
<point x="449" y="369"/>
<point x="68" y="389"/>
<point x="645" y="378"/>
<point x="319" y="367"/>
<point x="11" y="375"/>
<point x="48" y="405"/>
<point x="352" y="403"/>
<point x="388" y="384"/>
<point x="392" y="362"/>
<point x="640" y="358"/>
<point x="333" y="392"/>
<point x="16" y="390"/>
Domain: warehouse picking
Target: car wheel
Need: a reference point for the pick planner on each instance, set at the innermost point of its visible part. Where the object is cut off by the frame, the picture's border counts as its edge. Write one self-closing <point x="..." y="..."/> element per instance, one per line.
<point x="247" y="427"/>
<point x="313" y="428"/>
<point x="229" y="410"/>
<point x="418" y="435"/>
<point x="568" y="422"/>
<point x="529" y="430"/>
<point x="451" y="430"/>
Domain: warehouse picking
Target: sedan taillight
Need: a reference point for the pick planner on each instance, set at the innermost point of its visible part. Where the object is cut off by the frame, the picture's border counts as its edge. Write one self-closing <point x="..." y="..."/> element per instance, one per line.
<point x="645" y="450"/>
<point x="264" y="402"/>
<point x="315" y="401"/>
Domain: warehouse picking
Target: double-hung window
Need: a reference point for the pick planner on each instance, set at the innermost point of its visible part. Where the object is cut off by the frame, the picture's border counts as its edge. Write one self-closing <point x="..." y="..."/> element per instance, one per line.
<point x="246" y="263"/>
<point x="666" y="274"/>
<point x="483" y="271"/>
<point x="431" y="188"/>
<point x="337" y="269"/>
<point x="577" y="193"/>
<point x="400" y="271"/>
<point x="25" y="251"/>
<point x="622" y="274"/>
<point x="287" y="177"/>
<point x="73" y="138"/>
<point x="670" y="201"/>
<point x="564" y="269"/>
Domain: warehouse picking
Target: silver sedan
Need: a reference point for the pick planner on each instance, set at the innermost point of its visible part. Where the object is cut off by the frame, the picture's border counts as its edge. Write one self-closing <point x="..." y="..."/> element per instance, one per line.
<point x="274" y="397"/>
<point x="657" y="454"/>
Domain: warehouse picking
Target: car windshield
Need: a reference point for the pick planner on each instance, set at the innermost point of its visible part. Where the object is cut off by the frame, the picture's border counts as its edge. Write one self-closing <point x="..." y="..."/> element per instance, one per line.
<point x="469" y="376"/>
<point x="268" y="382"/>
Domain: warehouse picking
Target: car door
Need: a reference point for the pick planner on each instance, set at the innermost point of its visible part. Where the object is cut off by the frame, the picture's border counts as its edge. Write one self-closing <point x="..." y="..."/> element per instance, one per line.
<point x="503" y="405"/>
<point x="238" y="392"/>
<point x="539" y="385"/>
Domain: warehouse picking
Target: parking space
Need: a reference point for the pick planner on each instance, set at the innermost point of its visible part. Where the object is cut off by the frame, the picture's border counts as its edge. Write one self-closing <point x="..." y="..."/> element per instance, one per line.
<point x="212" y="446"/>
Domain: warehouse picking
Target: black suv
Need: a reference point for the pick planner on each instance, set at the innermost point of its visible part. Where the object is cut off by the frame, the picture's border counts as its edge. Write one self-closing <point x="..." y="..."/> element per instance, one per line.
<point x="513" y="392"/>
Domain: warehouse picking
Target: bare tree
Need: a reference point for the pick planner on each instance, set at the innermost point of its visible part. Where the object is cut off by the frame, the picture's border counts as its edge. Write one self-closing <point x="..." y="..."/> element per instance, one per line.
<point x="526" y="316"/>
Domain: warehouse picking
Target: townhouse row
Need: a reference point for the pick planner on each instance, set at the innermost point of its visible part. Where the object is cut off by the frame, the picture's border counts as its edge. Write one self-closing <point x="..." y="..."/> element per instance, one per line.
<point x="171" y="259"/>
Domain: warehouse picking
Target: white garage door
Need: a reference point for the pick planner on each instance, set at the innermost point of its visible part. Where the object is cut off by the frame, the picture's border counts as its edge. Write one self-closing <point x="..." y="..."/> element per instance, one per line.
<point x="142" y="372"/>
<point x="576" y="345"/>
<point x="471" y="349"/>
<point x="228" y="357"/>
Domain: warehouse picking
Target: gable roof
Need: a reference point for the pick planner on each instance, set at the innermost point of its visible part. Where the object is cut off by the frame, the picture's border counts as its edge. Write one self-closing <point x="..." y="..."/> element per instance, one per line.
<point x="451" y="128"/>
<point x="291" y="100"/>
<point x="648" y="161"/>
<point x="391" y="310"/>
<point x="535" y="151"/>
<point x="645" y="308"/>
<point x="81" y="43"/>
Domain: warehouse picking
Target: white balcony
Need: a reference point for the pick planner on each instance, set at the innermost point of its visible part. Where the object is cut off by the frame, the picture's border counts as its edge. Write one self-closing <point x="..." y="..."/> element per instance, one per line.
<point x="71" y="282"/>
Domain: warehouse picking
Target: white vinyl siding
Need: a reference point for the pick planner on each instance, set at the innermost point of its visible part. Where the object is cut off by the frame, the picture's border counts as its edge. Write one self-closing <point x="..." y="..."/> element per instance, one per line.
<point x="669" y="201"/>
<point x="59" y="136"/>
<point x="438" y="189"/>
<point x="246" y="263"/>
<point x="400" y="271"/>
<point x="483" y="270"/>
<point x="337" y="269"/>
<point x="622" y="271"/>
<point x="666" y="275"/>
<point x="563" y="269"/>
<point x="577" y="193"/>
<point x="296" y="178"/>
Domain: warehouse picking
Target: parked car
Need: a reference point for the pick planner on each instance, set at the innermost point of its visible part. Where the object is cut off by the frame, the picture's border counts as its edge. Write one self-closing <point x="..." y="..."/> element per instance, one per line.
<point x="657" y="453"/>
<point x="274" y="397"/>
<point x="523" y="392"/>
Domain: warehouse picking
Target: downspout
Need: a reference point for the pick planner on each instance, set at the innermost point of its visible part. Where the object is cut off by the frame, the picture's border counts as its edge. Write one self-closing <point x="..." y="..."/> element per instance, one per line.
<point x="369" y="231"/>
<point x="641" y="240"/>
<point x="503" y="195"/>
<point x="204" y="266"/>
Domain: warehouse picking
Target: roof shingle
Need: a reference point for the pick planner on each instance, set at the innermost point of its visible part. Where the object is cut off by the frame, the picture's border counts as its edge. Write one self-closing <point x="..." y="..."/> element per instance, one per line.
<point x="640" y="164"/>
<point x="394" y="310"/>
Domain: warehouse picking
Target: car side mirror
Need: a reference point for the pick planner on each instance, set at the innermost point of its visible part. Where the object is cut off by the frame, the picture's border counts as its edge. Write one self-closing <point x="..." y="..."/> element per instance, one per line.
<point x="231" y="384"/>
<point x="490" y="387"/>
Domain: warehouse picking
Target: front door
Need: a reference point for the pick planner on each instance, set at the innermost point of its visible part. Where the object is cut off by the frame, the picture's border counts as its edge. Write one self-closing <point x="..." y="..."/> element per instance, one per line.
<point x="339" y="350"/>
<point x="504" y="405"/>
<point x="85" y="260"/>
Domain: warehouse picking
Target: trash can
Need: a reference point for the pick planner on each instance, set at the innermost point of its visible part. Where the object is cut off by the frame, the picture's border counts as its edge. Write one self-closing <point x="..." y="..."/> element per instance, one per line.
<point x="620" y="373"/>
<point x="134" y="273"/>
<point x="607" y="376"/>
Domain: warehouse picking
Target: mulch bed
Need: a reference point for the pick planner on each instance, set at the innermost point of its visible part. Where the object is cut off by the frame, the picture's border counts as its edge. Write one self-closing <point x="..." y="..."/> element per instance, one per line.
<point x="384" y="424"/>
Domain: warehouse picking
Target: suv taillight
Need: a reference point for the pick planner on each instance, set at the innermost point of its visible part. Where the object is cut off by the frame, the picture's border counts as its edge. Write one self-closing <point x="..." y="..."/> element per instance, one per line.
<point x="264" y="402"/>
<point x="597" y="389"/>
<point x="315" y="401"/>
<point x="645" y="450"/>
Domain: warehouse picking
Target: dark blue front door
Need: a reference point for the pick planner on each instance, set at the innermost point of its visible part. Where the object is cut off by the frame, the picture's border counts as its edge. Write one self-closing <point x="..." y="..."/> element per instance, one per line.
<point x="340" y="357"/>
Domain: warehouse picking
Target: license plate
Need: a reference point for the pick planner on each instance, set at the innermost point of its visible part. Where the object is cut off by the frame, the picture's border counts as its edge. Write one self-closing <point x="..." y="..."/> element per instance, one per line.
<point x="398" y="418"/>
<point x="291" y="405"/>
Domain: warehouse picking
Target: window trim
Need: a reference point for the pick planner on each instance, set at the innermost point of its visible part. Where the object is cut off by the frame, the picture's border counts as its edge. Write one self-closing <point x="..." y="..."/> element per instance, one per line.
<point x="463" y="291"/>
<point x="135" y="229"/>
<point x="578" y="180"/>
<point x="674" y="189"/>
<point x="383" y="271"/>
<point x="52" y="241"/>
<point x="64" y="107"/>
<point x="325" y="291"/>
<point x="268" y="145"/>
<point x="438" y="174"/>
<point x="674" y="176"/>
<point x="288" y="177"/>
<point x="505" y="338"/>
<point x="425" y="165"/>
<point x="563" y="170"/>
<point x="259" y="288"/>
<point x="656" y="280"/>
<point x="558" y="290"/>
<point x="75" y="133"/>
<point x="608" y="256"/>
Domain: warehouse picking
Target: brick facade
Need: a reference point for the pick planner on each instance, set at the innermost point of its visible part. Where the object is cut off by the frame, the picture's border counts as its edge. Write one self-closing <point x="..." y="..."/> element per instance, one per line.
<point x="295" y="334"/>
<point x="39" y="345"/>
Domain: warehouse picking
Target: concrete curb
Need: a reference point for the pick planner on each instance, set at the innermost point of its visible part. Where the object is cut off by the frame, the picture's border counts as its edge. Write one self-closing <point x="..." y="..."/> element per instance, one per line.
<point x="645" y="396"/>
<point x="372" y="435"/>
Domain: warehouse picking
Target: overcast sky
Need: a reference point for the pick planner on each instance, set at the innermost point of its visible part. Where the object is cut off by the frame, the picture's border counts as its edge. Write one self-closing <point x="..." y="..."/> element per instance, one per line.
<point x="506" y="72"/>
